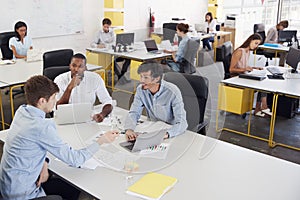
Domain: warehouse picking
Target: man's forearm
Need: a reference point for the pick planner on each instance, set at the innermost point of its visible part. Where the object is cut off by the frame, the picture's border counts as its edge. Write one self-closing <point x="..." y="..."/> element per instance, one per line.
<point x="106" y="110"/>
<point x="65" y="97"/>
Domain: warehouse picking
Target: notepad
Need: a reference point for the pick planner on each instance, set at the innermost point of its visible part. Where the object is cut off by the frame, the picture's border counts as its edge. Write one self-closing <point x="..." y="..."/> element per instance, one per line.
<point x="152" y="186"/>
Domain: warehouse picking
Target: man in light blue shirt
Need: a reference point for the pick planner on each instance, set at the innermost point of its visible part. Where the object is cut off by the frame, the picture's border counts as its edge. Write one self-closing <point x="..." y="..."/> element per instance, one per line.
<point x="162" y="100"/>
<point x="23" y="167"/>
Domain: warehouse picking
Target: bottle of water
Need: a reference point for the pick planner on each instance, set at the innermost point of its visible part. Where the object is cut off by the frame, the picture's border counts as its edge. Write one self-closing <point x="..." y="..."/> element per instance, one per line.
<point x="175" y="40"/>
<point x="113" y="116"/>
<point x="294" y="43"/>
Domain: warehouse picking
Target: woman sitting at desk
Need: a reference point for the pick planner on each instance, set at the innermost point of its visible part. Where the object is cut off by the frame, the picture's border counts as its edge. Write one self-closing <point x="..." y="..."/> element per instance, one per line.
<point x="210" y="26"/>
<point x="181" y="30"/>
<point x="239" y="65"/>
<point x="21" y="42"/>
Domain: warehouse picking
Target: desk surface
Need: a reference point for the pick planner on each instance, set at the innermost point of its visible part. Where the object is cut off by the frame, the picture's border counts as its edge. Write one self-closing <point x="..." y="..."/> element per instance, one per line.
<point x="205" y="168"/>
<point x="286" y="86"/>
<point x="139" y="53"/>
<point x="20" y="71"/>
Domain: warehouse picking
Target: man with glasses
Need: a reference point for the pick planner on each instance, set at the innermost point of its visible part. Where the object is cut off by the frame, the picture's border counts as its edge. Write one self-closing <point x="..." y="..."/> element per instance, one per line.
<point x="162" y="100"/>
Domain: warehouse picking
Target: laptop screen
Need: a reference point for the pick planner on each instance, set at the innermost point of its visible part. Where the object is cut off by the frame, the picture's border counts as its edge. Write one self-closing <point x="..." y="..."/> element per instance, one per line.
<point x="150" y="45"/>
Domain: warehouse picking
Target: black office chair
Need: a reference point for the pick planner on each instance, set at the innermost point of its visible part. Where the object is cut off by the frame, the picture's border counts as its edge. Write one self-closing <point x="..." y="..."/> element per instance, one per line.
<point x="7" y="54"/>
<point x="194" y="91"/>
<point x="56" y="62"/>
<point x="187" y="65"/>
<point x="169" y="30"/>
<point x="260" y="29"/>
<point x="293" y="58"/>
<point x="226" y="55"/>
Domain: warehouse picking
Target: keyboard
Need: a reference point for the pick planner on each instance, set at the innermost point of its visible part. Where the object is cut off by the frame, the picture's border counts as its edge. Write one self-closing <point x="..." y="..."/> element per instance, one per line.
<point x="274" y="70"/>
<point x="253" y="77"/>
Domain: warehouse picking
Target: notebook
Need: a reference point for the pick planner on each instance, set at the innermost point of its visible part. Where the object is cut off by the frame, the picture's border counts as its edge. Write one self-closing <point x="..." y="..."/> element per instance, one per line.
<point x="145" y="140"/>
<point x="73" y="113"/>
<point x="34" y="55"/>
<point x="152" y="186"/>
<point x="166" y="44"/>
<point x="152" y="47"/>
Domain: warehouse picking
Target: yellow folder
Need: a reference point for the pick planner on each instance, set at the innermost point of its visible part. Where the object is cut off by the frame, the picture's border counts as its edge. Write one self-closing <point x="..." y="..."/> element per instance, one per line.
<point x="152" y="186"/>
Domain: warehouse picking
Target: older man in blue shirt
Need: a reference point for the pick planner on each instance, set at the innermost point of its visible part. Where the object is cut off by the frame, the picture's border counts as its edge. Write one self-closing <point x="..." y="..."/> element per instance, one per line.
<point x="23" y="167"/>
<point x="162" y="100"/>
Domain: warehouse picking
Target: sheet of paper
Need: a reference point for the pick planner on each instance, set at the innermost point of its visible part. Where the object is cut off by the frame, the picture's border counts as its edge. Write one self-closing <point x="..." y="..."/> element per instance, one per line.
<point x="158" y="151"/>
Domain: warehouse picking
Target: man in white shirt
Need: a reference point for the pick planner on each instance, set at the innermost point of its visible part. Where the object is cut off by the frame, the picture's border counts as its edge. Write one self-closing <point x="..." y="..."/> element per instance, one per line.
<point x="81" y="86"/>
<point x="105" y="38"/>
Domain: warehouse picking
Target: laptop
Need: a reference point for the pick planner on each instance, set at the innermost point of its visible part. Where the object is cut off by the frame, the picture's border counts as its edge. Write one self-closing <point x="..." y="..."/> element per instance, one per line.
<point x="34" y="55"/>
<point x="73" y="113"/>
<point x="152" y="47"/>
<point x="145" y="140"/>
<point x="200" y="28"/>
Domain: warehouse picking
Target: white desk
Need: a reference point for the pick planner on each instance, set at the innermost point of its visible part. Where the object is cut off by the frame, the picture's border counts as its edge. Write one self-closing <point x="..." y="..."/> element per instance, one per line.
<point x="20" y="71"/>
<point x="278" y="49"/>
<point x="289" y="87"/>
<point x="208" y="169"/>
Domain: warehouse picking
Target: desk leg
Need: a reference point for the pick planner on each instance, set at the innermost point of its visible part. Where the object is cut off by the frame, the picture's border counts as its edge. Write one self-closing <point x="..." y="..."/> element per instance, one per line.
<point x="113" y="73"/>
<point x="276" y="53"/>
<point x="273" y="118"/>
<point x="2" y="113"/>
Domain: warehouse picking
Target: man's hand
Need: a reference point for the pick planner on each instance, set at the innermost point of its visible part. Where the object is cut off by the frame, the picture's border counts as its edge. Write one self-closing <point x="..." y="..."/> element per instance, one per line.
<point x="249" y="69"/>
<point x="98" y="117"/>
<point x="75" y="81"/>
<point x="130" y="135"/>
<point x="108" y="137"/>
<point x="44" y="175"/>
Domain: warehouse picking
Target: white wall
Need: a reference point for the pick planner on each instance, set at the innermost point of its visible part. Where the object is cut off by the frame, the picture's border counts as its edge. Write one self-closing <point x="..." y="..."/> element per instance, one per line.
<point x="136" y="19"/>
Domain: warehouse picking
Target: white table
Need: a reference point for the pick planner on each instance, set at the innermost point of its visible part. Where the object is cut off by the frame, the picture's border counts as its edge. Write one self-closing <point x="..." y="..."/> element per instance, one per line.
<point x="289" y="87"/>
<point x="278" y="49"/>
<point x="206" y="169"/>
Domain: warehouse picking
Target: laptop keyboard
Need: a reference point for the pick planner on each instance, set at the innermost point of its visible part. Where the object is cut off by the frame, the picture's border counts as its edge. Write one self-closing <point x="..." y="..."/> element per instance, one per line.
<point x="274" y="70"/>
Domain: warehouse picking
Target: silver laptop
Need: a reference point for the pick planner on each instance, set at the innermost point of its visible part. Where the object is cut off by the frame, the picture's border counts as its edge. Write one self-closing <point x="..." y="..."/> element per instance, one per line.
<point x="152" y="47"/>
<point x="145" y="140"/>
<point x="34" y="55"/>
<point x="166" y="44"/>
<point x="73" y="113"/>
<point x="200" y="28"/>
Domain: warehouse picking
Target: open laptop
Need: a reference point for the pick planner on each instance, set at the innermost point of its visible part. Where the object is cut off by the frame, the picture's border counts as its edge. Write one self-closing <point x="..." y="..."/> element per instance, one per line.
<point x="73" y="113"/>
<point x="200" y="28"/>
<point x="166" y="44"/>
<point x="152" y="47"/>
<point x="145" y="140"/>
<point x="34" y="55"/>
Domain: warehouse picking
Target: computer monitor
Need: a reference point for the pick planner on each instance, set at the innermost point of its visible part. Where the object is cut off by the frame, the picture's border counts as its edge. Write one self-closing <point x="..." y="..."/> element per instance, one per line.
<point x="287" y="36"/>
<point x="125" y="39"/>
<point x="293" y="58"/>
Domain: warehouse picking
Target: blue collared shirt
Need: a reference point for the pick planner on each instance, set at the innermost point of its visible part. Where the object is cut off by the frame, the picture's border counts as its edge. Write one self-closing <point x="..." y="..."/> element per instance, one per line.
<point x="166" y="105"/>
<point x="180" y="52"/>
<point x="30" y="137"/>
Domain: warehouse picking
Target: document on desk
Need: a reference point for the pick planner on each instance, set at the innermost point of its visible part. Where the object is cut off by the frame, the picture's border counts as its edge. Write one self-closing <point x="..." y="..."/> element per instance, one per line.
<point x="157" y="151"/>
<point x="147" y="126"/>
<point x="258" y="72"/>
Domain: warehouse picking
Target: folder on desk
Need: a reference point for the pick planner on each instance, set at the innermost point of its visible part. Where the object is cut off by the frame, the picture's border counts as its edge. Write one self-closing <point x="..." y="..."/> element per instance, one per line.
<point x="152" y="186"/>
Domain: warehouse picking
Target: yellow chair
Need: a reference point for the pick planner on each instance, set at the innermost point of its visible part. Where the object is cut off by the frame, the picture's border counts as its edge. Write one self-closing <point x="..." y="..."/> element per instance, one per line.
<point x="101" y="72"/>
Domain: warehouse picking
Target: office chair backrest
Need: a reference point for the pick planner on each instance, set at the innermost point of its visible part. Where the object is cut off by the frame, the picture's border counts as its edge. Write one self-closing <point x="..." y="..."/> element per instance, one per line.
<point x="293" y="57"/>
<point x="4" y="45"/>
<point x="57" y="58"/>
<point x="189" y="56"/>
<point x="194" y="91"/>
<point x="227" y="50"/>
<point x="53" y="71"/>
<point x="258" y="28"/>
<point x="169" y="30"/>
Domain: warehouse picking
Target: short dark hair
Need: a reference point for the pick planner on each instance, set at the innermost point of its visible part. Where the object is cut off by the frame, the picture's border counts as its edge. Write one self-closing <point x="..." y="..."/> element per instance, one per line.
<point x="38" y="87"/>
<point x="154" y="67"/>
<point x="106" y="21"/>
<point x="183" y="27"/>
<point x="80" y="56"/>
<point x="18" y="25"/>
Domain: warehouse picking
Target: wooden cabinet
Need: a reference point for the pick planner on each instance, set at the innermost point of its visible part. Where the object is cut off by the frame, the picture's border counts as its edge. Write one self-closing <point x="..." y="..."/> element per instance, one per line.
<point x="229" y="37"/>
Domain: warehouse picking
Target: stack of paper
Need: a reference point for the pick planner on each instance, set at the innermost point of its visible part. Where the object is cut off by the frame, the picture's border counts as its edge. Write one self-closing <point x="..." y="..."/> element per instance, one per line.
<point x="152" y="186"/>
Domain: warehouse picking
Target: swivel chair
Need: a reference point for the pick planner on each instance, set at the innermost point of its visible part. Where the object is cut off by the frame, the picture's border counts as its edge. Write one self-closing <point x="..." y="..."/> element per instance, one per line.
<point x="187" y="65"/>
<point x="169" y="30"/>
<point x="56" y="62"/>
<point x="260" y="29"/>
<point x="194" y="91"/>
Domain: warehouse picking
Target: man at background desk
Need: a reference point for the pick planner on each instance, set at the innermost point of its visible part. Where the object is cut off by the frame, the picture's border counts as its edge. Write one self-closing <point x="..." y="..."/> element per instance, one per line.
<point x="105" y="38"/>
<point x="81" y="86"/>
<point x="162" y="100"/>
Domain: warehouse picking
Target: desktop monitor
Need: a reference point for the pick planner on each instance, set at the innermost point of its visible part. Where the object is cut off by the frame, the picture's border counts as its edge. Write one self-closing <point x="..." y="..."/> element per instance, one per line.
<point x="293" y="58"/>
<point x="287" y="36"/>
<point x="125" y="39"/>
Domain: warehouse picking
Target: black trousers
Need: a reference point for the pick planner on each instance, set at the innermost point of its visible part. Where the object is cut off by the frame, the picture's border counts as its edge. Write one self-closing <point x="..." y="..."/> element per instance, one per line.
<point x="124" y="67"/>
<point x="56" y="186"/>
